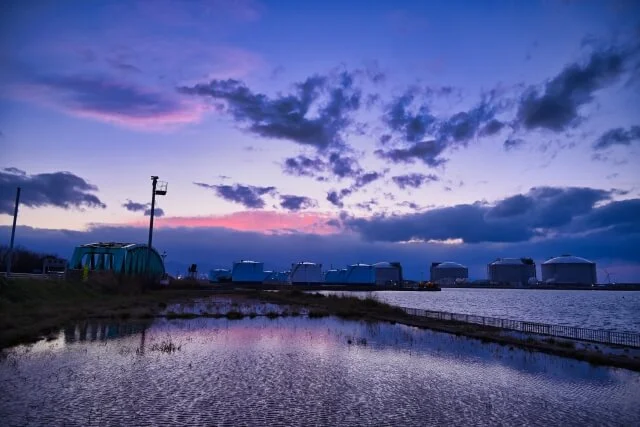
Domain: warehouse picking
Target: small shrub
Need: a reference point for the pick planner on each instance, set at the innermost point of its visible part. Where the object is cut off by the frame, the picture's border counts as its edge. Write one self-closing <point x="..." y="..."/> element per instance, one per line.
<point x="166" y="347"/>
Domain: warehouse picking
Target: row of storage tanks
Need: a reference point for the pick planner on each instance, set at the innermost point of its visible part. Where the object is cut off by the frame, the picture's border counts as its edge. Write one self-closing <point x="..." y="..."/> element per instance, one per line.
<point x="565" y="269"/>
<point x="382" y="273"/>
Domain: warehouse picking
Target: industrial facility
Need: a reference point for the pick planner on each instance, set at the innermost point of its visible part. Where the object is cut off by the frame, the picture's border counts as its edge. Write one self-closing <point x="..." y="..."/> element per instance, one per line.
<point x="388" y="273"/>
<point x="506" y="272"/>
<point x="512" y="271"/>
<point x="448" y="273"/>
<point x="220" y="275"/>
<point x="247" y="272"/>
<point x="360" y="274"/>
<point x="127" y="259"/>
<point x="567" y="269"/>
<point x="304" y="273"/>
<point x="334" y="276"/>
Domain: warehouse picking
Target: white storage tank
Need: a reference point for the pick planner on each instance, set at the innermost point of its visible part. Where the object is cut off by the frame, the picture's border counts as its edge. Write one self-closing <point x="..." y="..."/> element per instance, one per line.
<point x="388" y="273"/>
<point x="448" y="273"/>
<point x="335" y="276"/>
<point x="511" y="271"/>
<point x="247" y="272"/>
<point x="219" y="275"/>
<point x="303" y="273"/>
<point x="360" y="274"/>
<point x="569" y="269"/>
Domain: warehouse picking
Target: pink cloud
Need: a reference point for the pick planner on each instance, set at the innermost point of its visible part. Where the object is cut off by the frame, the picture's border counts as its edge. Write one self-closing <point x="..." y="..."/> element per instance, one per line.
<point x="110" y="101"/>
<point x="267" y="222"/>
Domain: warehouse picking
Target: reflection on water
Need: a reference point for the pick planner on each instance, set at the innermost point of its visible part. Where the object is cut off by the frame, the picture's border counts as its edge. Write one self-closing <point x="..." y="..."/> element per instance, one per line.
<point x="300" y="371"/>
<point x="613" y="310"/>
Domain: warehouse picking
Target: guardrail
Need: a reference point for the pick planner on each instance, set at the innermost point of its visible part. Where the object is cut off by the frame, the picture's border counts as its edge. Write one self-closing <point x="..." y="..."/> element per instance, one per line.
<point x="629" y="339"/>
<point x="37" y="276"/>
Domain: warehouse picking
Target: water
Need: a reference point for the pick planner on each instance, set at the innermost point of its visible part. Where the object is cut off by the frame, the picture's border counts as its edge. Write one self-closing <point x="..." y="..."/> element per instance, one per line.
<point x="616" y="311"/>
<point x="293" y="371"/>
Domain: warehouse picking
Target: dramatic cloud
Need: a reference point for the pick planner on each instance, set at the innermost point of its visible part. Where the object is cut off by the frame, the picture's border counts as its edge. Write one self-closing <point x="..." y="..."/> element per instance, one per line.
<point x="426" y="151"/>
<point x="108" y="100"/>
<point x="296" y="203"/>
<point x="142" y="207"/>
<point x="337" y="164"/>
<point x="413" y="124"/>
<point x="335" y="197"/>
<point x="361" y="180"/>
<point x="556" y="107"/>
<point x="248" y="196"/>
<point x="617" y="136"/>
<point x="542" y="212"/>
<point x="60" y="189"/>
<point x="512" y="143"/>
<point x="317" y="114"/>
<point x="304" y="166"/>
<point x="492" y="127"/>
<point x="424" y="136"/>
<point x="413" y="180"/>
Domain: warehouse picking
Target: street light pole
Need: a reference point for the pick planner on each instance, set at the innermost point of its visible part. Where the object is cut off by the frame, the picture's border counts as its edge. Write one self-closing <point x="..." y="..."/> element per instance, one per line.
<point x="154" y="183"/>
<point x="13" y="233"/>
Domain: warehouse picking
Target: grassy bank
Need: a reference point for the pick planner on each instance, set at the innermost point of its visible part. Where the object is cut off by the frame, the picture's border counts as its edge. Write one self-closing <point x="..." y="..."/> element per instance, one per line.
<point x="31" y="309"/>
<point x="371" y="309"/>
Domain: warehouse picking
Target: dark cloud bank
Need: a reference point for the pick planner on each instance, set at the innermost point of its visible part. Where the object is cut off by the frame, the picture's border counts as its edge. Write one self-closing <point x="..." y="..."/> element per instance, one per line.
<point x="543" y="222"/>
<point x="59" y="189"/>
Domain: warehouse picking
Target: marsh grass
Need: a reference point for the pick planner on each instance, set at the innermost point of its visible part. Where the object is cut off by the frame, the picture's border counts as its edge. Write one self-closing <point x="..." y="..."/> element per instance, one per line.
<point x="166" y="346"/>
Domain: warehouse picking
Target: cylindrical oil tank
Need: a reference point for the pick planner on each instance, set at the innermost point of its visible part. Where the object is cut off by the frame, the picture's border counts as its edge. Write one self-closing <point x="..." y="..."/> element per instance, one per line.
<point x="247" y="272"/>
<point x="569" y="269"/>
<point x="387" y="273"/>
<point x="446" y="273"/>
<point x="361" y="274"/>
<point x="303" y="273"/>
<point x="511" y="271"/>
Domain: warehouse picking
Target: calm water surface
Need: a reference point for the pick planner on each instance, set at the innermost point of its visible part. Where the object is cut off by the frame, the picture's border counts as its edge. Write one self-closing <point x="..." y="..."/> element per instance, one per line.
<point x="618" y="311"/>
<point x="300" y="371"/>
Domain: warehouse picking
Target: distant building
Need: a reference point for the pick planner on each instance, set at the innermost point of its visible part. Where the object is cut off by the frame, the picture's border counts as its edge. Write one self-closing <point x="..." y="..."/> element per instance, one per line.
<point x="335" y="276"/>
<point x="511" y="271"/>
<point x="219" y="275"/>
<point x="128" y="259"/>
<point x="303" y="273"/>
<point x="447" y="273"/>
<point x="247" y="272"/>
<point x="387" y="273"/>
<point x="360" y="274"/>
<point x="569" y="269"/>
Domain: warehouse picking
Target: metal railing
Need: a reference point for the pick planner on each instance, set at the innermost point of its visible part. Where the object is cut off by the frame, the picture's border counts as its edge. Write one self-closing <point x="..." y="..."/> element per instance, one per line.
<point x="37" y="276"/>
<point x="629" y="339"/>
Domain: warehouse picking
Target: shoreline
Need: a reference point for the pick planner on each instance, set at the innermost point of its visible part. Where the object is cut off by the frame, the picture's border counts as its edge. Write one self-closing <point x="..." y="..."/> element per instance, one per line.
<point x="26" y="318"/>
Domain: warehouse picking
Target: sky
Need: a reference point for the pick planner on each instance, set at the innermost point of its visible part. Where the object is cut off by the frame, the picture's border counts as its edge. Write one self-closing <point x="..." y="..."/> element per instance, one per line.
<point x="333" y="132"/>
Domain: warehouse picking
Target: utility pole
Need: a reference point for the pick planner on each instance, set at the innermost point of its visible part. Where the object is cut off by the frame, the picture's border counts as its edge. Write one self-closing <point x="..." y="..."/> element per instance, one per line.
<point x="13" y="233"/>
<point x="161" y="191"/>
